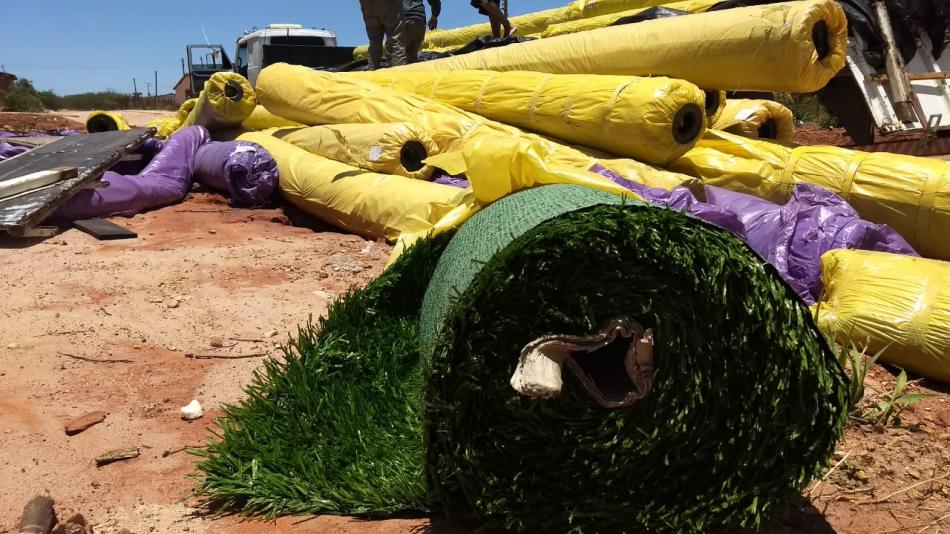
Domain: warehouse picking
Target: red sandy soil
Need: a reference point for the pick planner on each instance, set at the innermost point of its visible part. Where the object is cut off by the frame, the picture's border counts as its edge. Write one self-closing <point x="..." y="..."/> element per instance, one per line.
<point x="28" y="122"/>
<point x="202" y="274"/>
<point x="812" y="134"/>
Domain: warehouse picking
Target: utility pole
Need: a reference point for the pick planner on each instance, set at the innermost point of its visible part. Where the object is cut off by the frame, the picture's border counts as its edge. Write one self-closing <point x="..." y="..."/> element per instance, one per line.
<point x="148" y="88"/>
<point x="156" y="89"/>
<point x="135" y="87"/>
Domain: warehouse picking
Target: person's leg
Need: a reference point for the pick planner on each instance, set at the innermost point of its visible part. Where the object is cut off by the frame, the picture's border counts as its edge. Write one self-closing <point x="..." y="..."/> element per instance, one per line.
<point x="497" y="19"/>
<point x="395" y="30"/>
<point x="374" y="32"/>
<point x="415" y="32"/>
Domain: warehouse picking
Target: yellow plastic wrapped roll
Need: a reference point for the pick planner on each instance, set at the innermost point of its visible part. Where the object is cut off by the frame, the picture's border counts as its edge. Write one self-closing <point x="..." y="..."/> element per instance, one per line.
<point x="498" y="165"/>
<point x="585" y="9"/>
<point x="105" y="121"/>
<point x="908" y="193"/>
<point x="261" y="119"/>
<point x="758" y="119"/>
<point x="389" y="148"/>
<point x="315" y="98"/>
<point x="655" y="120"/>
<point x="365" y="203"/>
<point x="226" y="100"/>
<point x="165" y="126"/>
<point x="609" y="19"/>
<point x="897" y="303"/>
<point x="791" y="46"/>
<point x="185" y="109"/>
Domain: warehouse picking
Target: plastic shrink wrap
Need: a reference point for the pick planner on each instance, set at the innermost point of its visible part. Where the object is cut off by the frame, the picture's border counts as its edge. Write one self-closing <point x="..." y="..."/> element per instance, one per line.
<point x="226" y="100"/>
<point x="910" y="194"/>
<point x="388" y="148"/>
<point x="758" y="119"/>
<point x="105" y="121"/>
<point x="315" y="98"/>
<point x="896" y="303"/>
<point x="791" y="47"/>
<point x="365" y="203"/>
<point x="654" y="120"/>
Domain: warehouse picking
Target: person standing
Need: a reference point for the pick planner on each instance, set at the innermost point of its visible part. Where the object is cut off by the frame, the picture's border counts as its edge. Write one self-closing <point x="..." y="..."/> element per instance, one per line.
<point x="384" y="19"/>
<point x="497" y="19"/>
<point x="415" y="25"/>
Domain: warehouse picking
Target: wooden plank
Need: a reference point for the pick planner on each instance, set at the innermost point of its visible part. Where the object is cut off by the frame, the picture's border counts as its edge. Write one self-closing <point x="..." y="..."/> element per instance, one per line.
<point x="104" y="230"/>
<point x="902" y="95"/>
<point x="914" y="76"/>
<point x="35" y="180"/>
<point x="33" y="141"/>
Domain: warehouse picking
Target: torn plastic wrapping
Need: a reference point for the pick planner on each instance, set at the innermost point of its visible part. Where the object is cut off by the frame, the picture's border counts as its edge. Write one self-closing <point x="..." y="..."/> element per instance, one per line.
<point x="165" y="180"/>
<point x="244" y="171"/>
<point x="792" y="46"/>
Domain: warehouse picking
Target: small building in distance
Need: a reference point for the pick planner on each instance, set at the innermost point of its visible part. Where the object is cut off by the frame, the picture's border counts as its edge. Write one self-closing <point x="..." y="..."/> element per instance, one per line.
<point x="182" y="89"/>
<point x="6" y="80"/>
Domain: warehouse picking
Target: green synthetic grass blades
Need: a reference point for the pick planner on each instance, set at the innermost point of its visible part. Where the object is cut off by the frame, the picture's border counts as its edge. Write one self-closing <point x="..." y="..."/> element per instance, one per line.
<point x="397" y="401"/>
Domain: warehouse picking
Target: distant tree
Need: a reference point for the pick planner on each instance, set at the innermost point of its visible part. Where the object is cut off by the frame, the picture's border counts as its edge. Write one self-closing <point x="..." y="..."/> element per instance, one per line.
<point x="106" y="100"/>
<point x="21" y="96"/>
<point x="50" y="100"/>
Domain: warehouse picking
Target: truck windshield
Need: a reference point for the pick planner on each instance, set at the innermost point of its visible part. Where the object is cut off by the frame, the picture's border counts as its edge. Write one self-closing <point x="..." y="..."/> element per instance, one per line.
<point x="207" y="58"/>
<point x="241" y="60"/>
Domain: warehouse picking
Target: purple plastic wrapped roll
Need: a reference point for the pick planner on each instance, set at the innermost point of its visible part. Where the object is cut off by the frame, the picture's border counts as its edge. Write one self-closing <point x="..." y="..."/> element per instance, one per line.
<point x="166" y="180"/>
<point x="244" y="171"/>
<point x="679" y="199"/>
<point x="794" y="236"/>
<point x="791" y="237"/>
<point x="7" y="150"/>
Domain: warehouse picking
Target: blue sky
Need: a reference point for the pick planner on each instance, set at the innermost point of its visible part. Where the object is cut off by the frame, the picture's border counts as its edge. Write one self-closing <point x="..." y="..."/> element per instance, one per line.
<point x="70" y="46"/>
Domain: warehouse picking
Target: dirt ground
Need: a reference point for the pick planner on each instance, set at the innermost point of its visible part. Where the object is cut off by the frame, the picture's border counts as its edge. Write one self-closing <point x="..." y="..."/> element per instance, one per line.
<point x="26" y="122"/>
<point x="204" y="280"/>
<point x="201" y="279"/>
<point x="72" y="119"/>
<point x="135" y="117"/>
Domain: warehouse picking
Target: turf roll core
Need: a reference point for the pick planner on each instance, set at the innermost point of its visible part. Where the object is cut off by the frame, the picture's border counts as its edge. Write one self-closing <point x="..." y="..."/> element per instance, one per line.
<point x="568" y="360"/>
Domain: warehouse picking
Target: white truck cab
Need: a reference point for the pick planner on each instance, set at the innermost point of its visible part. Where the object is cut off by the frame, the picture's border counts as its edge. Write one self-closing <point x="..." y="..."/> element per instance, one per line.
<point x="256" y="49"/>
<point x="250" y="55"/>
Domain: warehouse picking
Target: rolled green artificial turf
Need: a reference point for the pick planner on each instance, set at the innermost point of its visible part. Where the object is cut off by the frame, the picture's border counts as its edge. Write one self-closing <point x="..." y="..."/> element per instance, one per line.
<point x="365" y="417"/>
